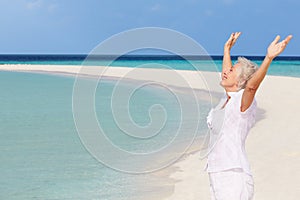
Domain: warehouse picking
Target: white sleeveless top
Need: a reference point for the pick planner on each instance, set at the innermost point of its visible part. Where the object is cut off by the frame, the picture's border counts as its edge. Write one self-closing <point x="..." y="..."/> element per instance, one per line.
<point x="229" y="128"/>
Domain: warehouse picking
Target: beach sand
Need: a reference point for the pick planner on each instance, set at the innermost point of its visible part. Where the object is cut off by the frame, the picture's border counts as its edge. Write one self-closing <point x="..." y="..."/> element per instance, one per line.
<point x="273" y="145"/>
<point x="273" y="148"/>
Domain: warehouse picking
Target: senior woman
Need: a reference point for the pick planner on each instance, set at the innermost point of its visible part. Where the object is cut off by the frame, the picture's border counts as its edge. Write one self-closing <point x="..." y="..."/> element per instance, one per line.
<point x="230" y="121"/>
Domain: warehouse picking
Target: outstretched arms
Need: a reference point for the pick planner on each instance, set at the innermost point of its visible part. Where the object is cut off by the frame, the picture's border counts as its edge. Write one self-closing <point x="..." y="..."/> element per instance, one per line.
<point x="274" y="49"/>
<point x="227" y="64"/>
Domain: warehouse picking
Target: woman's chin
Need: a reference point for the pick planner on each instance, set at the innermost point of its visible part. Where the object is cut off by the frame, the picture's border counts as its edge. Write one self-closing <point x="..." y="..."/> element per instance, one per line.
<point x="222" y="84"/>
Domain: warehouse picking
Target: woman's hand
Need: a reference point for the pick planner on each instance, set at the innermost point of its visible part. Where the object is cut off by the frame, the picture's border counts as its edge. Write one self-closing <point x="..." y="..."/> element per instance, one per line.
<point x="231" y="41"/>
<point x="277" y="47"/>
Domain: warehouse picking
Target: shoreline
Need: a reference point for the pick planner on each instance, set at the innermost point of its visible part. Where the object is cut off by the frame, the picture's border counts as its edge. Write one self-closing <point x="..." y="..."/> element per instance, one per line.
<point x="165" y="76"/>
<point x="273" y="145"/>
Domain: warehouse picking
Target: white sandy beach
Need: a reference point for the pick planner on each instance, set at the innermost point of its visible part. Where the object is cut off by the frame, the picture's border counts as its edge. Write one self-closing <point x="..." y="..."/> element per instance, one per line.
<point x="273" y="145"/>
<point x="273" y="148"/>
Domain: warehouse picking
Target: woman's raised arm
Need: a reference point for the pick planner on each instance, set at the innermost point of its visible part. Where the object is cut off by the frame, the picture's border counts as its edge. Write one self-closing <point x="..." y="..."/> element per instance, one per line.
<point x="227" y="64"/>
<point x="274" y="49"/>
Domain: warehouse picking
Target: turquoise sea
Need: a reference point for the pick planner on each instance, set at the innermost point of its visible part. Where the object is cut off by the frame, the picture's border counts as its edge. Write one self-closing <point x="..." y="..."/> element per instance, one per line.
<point x="281" y="66"/>
<point x="41" y="154"/>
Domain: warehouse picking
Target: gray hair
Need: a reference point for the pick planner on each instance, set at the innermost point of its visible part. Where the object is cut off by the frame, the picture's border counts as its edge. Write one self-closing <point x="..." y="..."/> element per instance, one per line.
<point x="245" y="71"/>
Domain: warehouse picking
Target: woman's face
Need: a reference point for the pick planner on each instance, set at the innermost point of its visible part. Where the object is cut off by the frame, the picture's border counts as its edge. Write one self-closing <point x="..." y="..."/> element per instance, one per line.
<point x="230" y="77"/>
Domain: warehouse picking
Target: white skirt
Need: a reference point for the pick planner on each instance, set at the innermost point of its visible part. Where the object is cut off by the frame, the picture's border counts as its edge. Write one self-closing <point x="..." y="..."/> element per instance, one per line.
<point x="233" y="184"/>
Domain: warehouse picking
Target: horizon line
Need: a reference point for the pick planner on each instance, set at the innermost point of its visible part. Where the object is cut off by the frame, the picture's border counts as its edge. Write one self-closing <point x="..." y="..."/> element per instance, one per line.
<point x="151" y="56"/>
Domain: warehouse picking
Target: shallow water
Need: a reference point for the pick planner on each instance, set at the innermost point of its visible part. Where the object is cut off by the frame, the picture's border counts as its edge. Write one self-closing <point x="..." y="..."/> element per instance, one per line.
<point x="42" y="156"/>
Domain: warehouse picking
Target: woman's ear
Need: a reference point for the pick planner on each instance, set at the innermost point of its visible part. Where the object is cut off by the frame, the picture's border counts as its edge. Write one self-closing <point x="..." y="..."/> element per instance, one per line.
<point x="237" y="83"/>
<point x="240" y="83"/>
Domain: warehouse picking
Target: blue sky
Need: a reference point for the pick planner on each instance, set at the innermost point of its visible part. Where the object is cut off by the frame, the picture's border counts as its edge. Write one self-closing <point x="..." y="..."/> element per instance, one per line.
<point x="66" y="26"/>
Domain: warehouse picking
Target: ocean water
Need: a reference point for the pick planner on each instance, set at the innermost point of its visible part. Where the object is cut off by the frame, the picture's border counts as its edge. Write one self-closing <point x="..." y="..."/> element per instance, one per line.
<point x="40" y="152"/>
<point x="281" y="66"/>
<point x="42" y="156"/>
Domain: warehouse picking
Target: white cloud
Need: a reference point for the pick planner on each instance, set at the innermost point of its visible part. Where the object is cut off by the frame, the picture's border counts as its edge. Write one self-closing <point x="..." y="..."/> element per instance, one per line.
<point x="34" y="4"/>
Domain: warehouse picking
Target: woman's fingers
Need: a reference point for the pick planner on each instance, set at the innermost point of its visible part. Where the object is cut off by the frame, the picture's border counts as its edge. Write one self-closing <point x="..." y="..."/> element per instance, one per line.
<point x="230" y="38"/>
<point x="288" y="38"/>
<point x="277" y="47"/>
<point x="285" y="41"/>
<point x="275" y="41"/>
<point x="235" y="37"/>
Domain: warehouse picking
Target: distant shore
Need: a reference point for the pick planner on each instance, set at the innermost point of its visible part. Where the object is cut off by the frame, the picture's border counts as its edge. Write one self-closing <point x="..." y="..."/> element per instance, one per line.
<point x="273" y="145"/>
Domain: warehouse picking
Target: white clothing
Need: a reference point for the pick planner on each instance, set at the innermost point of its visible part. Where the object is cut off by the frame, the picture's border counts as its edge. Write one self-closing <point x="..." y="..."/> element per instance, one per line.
<point x="233" y="184"/>
<point x="229" y="128"/>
